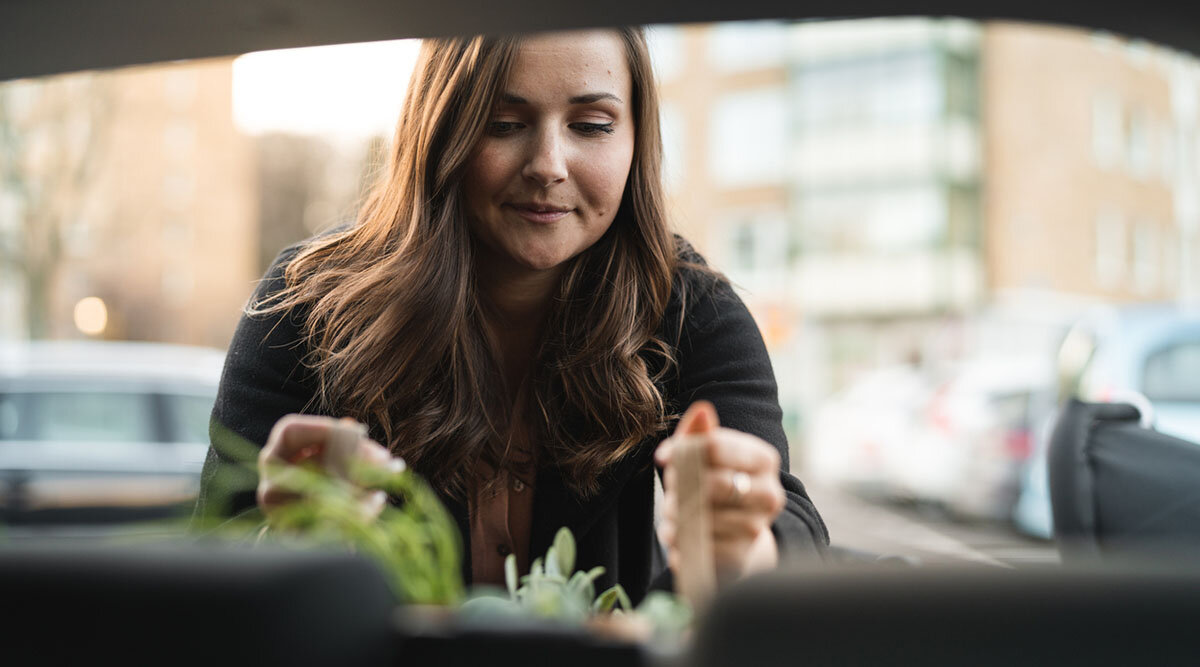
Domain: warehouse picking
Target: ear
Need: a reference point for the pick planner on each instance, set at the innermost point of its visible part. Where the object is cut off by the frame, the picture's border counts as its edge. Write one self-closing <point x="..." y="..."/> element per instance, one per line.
<point x="701" y="417"/>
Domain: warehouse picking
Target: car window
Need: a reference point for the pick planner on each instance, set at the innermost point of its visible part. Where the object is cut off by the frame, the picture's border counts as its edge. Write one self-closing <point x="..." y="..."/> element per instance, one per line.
<point x="76" y="416"/>
<point x="1173" y="373"/>
<point x="893" y="199"/>
<point x="190" y="415"/>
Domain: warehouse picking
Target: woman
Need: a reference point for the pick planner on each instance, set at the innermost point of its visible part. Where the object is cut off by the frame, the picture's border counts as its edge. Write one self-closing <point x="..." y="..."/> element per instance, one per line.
<point x="511" y="315"/>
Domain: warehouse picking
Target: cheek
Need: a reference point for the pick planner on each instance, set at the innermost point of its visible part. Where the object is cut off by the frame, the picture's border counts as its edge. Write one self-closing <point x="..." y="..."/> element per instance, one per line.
<point x="605" y="179"/>
<point x="486" y="173"/>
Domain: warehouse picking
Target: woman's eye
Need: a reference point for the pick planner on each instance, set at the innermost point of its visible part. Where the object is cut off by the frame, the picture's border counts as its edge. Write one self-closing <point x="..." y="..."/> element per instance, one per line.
<point x="499" y="128"/>
<point x="593" y="128"/>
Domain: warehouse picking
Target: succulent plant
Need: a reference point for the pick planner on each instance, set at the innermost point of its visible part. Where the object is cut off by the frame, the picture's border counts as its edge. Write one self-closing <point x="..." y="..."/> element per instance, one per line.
<point x="416" y="543"/>
<point x="554" y="590"/>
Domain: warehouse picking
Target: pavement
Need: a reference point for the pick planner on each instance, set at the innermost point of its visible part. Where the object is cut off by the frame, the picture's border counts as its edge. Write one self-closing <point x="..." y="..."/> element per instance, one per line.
<point x="919" y="533"/>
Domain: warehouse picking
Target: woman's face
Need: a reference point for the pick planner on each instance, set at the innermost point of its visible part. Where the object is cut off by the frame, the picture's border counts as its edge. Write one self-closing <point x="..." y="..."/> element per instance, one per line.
<point x="546" y="180"/>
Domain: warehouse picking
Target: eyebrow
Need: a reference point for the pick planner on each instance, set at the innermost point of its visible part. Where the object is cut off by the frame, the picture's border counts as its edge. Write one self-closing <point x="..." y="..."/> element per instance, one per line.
<point x="589" y="98"/>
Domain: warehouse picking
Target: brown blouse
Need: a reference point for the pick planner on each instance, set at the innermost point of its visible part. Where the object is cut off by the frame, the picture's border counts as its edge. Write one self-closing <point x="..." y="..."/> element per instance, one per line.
<point x="501" y="512"/>
<point x="500" y="520"/>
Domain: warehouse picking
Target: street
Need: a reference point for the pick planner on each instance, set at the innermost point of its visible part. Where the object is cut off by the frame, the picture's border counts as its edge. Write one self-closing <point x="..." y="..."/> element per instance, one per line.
<point x="922" y="534"/>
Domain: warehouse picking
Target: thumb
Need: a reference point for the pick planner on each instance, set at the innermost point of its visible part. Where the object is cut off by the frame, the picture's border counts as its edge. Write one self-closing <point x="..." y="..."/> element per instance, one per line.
<point x="701" y="417"/>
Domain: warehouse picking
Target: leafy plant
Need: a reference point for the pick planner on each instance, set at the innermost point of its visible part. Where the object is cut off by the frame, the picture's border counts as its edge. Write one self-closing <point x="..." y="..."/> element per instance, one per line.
<point x="417" y="545"/>
<point x="554" y="590"/>
<point x="414" y="539"/>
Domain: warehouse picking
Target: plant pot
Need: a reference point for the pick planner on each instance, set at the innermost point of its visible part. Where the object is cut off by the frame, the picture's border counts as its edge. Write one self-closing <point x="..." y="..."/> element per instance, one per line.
<point x="436" y="636"/>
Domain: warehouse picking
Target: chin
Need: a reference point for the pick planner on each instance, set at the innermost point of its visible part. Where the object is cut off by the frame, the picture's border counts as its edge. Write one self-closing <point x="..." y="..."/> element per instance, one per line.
<point x="542" y="262"/>
<point x="543" y="258"/>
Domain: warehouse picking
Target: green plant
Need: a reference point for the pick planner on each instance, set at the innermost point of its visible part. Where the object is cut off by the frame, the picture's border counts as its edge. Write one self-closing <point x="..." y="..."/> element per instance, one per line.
<point x="413" y="539"/>
<point x="554" y="590"/>
<point x="417" y="545"/>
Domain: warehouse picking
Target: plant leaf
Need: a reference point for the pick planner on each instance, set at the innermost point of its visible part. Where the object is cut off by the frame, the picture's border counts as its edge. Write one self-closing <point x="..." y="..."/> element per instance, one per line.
<point x="623" y="597"/>
<point x="605" y="601"/>
<point x="552" y="563"/>
<point x="510" y="575"/>
<point x="581" y="589"/>
<point x="564" y="548"/>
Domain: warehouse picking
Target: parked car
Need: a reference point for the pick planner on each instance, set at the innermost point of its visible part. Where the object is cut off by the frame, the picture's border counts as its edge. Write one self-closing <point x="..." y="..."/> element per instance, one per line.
<point x="860" y="437"/>
<point x="974" y="436"/>
<point x="1145" y="354"/>
<point x="102" y="431"/>
<point x="957" y="439"/>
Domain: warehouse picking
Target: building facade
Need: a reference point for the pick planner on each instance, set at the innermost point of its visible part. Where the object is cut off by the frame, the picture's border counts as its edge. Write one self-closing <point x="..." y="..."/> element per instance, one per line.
<point x="134" y="187"/>
<point x="927" y="190"/>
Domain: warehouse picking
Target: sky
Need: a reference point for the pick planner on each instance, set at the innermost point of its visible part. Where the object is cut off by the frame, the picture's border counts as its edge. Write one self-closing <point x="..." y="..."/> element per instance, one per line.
<point x="346" y="91"/>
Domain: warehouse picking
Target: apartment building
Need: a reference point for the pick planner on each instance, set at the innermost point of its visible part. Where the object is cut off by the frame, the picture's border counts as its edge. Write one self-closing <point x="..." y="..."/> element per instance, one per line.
<point x="885" y="191"/>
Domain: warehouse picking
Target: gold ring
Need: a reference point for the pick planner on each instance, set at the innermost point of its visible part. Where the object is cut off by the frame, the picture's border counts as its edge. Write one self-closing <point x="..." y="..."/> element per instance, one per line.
<point x="741" y="485"/>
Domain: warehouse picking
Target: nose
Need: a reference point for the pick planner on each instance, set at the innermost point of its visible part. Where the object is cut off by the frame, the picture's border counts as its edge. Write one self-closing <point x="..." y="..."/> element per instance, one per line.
<point x="547" y="161"/>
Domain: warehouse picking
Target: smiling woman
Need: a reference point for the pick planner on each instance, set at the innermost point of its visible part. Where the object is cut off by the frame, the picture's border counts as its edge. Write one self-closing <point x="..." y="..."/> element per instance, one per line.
<point x="511" y="314"/>
<point x="548" y="176"/>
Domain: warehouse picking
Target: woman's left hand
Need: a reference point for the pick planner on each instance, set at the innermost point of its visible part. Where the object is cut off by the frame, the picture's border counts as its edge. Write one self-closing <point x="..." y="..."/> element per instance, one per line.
<point x="743" y="488"/>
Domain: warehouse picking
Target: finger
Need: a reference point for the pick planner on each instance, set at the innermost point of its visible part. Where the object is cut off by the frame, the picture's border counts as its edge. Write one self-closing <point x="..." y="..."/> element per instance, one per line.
<point x="373" y="503"/>
<point x="662" y="453"/>
<point x="727" y="448"/>
<point x="730" y="556"/>
<point x="666" y="451"/>
<point x="738" y="525"/>
<point x="667" y="533"/>
<point x="296" y="437"/>
<point x="271" y="496"/>
<point x="765" y="494"/>
<point x="373" y="452"/>
<point x="669" y="507"/>
<point x="670" y="476"/>
<point x="700" y="417"/>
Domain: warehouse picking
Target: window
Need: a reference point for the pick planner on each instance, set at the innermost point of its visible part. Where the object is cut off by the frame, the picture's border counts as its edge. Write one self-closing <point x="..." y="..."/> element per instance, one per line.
<point x="674" y="138"/>
<point x="1138" y="147"/>
<point x="666" y="50"/>
<point x="1107" y="139"/>
<point x="190" y="415"/>
<point x="1146" y="258"/>
<point x="748" y="138"/>
<point x="894" y="218"/>
<point x="747" y="45"/>
<point x="759" y="243"/>
<point x="77" y="416"/>
<point x="1173" y="373"/>
<point x="888" y="89"/>
<point x="1111" y="248"/>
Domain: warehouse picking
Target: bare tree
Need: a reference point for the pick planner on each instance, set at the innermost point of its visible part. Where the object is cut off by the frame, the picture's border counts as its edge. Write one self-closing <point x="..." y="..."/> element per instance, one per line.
<point x="53" y="136"/>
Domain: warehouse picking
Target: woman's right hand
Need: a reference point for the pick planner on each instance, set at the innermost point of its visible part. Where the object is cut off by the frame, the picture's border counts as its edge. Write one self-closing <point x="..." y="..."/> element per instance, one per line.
<point x="299" y="438"/>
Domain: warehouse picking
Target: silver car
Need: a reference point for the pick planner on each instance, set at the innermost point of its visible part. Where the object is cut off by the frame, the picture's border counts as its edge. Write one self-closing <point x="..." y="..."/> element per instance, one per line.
<point x="1144" y="354"/>
<point x="102" y="431"/>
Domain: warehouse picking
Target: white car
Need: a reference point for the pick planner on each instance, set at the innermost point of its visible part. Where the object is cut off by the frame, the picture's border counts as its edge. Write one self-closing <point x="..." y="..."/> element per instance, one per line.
<point x="859" y="438"/>
<point x="102" y="431"/>
<point x="975" y="435"/>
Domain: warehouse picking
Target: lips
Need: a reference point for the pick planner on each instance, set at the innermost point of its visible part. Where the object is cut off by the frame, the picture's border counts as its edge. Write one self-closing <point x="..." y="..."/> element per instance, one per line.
<point x="541" y="213"/>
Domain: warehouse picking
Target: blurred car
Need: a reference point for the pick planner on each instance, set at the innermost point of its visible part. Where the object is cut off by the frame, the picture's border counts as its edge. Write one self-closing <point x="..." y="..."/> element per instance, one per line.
<point x="957" y="440"/>
<point x="859" y="437"/>
<point x="1145" y="354"/>
<point x="102" y="431"/>
<point x="974" y="436"/>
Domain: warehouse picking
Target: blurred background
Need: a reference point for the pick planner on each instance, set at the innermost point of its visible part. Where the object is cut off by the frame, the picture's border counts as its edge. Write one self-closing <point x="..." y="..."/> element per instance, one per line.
<point x="941" y="226"/>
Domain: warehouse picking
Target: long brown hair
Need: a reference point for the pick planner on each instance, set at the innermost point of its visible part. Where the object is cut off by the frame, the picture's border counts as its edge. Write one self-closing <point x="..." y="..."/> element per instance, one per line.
<point x="393" y="318"/>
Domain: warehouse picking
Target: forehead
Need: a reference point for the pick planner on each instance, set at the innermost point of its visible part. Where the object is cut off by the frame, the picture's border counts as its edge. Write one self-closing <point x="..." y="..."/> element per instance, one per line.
<point x="571" y="63"/>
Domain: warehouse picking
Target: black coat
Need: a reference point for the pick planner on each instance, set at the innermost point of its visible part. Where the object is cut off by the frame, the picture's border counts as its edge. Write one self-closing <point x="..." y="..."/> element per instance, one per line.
<point x="721" y="358"/>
